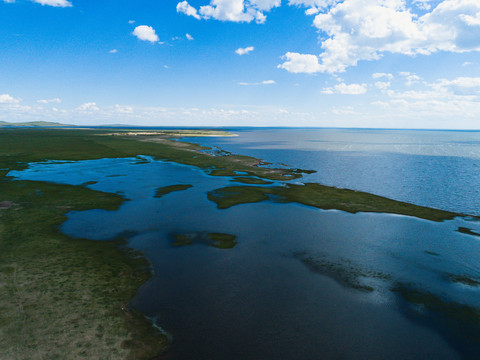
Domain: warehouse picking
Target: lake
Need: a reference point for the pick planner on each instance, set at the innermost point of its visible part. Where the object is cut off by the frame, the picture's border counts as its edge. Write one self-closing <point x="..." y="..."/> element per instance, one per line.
<point x="302" y="283"/>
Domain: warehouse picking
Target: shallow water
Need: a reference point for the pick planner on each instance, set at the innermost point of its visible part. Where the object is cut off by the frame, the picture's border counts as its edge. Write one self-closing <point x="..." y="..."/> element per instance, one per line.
<point x="288" y="289"/>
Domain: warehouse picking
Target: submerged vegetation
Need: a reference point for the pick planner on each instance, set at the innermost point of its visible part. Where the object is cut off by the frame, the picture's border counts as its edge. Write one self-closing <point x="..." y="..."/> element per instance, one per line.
<point x="464" y="280"/>
<point x="467" y="231"/>
<point x="218" y="240"/>
<point x="162" y="191"/>
<point x="324" y="197"/>
<point x="342" y="271"/>
<point x="452" y="319"/>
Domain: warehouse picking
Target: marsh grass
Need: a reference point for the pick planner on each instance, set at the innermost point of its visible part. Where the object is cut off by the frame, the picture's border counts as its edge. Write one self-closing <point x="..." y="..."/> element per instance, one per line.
<point x="324" y="197"/>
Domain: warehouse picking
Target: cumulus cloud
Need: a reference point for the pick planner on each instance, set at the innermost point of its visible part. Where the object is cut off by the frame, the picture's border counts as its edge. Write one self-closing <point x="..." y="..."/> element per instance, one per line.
<point x="460" y="85"/>
<point x="123" y="109"/>
<point x="145" y="33"/>
<point x="113" y="51"/>
<point x="300" y="63"/>
<point x="50" y="101"/>
<point x="410" y="78"/>
<point x="88" y="106"/>
<point x="382" y="75"/>
<point x="55" y="3"/>
<point x="8" y="99"/>
<point x="467" y="82"/>
<point x="244" y="51"/>
<point x="189" y="37"/>
<point x="344" y="89"/>
<point x="382" y="85"/>
<point x="313" y="6"/>
<point x="185" y="8"/>
<point x="355" y="30"/>
<point x="230" y="10"/>
<point x="264" y="82"/>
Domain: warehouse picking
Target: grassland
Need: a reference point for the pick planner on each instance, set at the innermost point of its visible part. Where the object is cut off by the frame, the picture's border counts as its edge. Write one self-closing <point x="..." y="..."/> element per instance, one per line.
<point x="64" y="298"/>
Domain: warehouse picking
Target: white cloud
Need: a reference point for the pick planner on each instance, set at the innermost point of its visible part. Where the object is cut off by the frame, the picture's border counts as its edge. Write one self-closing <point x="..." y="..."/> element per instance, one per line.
<point x="264" y="82"/>
<point x="123" y="109"/>
<point x="50" y="101"/>
<point x="187" y="9"/>
<point x="243" y="51"/>
<point x="230" y="10"/>
<point x="422" y="4"/>
<point x="410" y="78"/>
<point x="189" y="37"/>
<point x="312" y="11"/>
<point x="9" y="1"/>
<point x="355" y="30"/>
<point x="300" y="63"/>
<point x="319" y="4"/>
<point x="8" y="99"/>
<point x="113" y="51"/>
<point x="131" y="21"/>
<point x="88" y="106"/>
<point x="55" y="3"/>
<point x="461" y="86"/>
<point x="382" y="75"/>
<point x="145" y="33"/>
<point x="382" y="85"/>
<point x="468" y="82"/>
<point x="344" y="89"/>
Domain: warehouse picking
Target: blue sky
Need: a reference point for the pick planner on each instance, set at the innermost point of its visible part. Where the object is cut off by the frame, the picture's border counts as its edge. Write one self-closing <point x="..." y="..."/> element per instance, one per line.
<point x="348" y="63"/>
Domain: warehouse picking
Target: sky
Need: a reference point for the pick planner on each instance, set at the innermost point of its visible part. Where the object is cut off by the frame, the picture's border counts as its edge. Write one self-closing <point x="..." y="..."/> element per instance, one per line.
<point x="301" y="63"/>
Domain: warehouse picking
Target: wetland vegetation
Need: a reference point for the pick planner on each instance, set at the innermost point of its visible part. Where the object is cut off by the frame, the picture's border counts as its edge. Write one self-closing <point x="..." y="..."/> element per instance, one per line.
<point x="324" y="197"/>
<point x="217" y="240"/>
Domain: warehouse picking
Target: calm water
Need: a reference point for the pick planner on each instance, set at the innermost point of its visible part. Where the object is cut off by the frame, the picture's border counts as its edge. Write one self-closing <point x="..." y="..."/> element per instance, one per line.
<point x="439" y="169"/>
<point x="285" y="291"/>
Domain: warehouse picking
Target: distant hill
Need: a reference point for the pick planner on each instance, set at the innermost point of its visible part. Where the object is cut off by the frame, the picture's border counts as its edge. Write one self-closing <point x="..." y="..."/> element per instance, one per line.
<point x="33" y="124"/>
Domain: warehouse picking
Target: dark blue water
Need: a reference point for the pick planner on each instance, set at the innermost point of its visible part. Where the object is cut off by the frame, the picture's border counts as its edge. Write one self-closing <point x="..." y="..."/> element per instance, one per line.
<point x="294" y="287"/>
